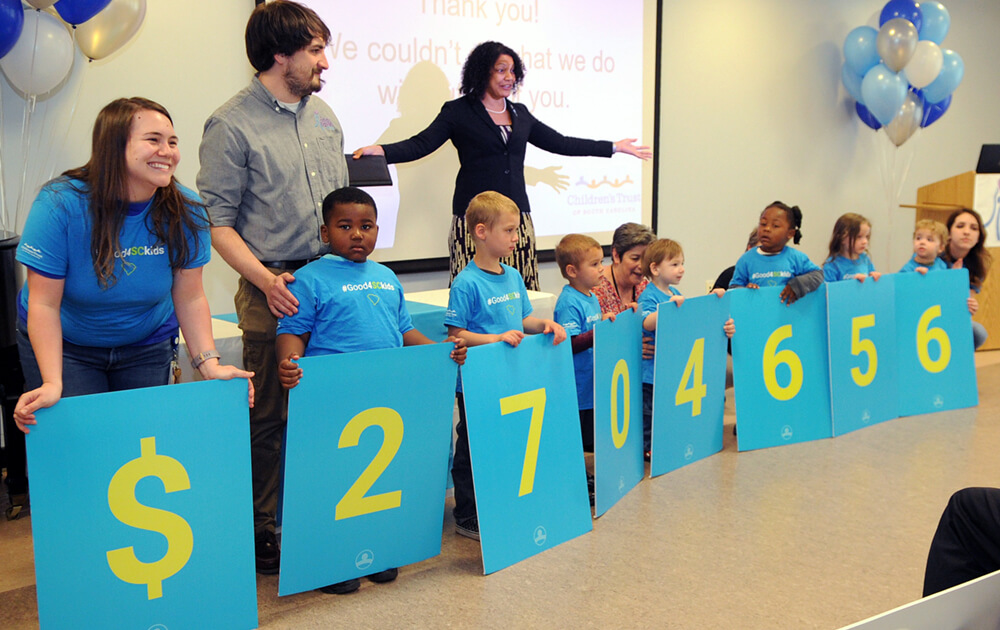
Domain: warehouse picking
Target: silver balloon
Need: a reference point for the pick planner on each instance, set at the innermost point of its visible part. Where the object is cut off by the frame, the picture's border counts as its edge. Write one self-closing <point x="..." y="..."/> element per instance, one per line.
<point x="41" y="4"/>
<point x="110" y="29"/>
<point x="896" y="43"/>
<point x="906" y="121"/>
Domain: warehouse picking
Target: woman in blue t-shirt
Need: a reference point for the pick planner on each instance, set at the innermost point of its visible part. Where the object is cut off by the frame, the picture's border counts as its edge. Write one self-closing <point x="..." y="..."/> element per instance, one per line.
<point x="114" y="252"/>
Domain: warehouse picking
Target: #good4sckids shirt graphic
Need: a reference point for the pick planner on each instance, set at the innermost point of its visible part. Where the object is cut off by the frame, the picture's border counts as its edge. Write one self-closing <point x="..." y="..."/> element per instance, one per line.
<point x="774" y="270"/>
<point x="649" y="301"/>
<point x="56" y="244"/>
<point x="487" y="303"/>
<point x="843" y="268"/>
<point x="347" y="307"/>
<point x="579" y="313"/>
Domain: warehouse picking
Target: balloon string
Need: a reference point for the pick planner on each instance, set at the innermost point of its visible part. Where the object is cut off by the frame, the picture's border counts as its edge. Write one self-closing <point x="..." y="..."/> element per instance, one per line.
<point x="29" y="108"/>
<point x="51" y="160"/>
<point x="3" y="192"/>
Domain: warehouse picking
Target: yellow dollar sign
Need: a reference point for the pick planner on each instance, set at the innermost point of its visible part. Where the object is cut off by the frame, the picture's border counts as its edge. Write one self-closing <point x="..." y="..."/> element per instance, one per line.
<point x="125" y="507"/>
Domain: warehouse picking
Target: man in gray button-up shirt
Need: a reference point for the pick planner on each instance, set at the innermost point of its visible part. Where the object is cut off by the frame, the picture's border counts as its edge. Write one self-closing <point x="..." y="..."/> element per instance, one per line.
<point x="268" y="158"/>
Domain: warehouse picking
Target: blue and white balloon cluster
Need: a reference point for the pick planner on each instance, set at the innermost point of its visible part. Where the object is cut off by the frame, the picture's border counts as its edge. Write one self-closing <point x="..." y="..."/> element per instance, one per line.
<point x="899" y="75"/>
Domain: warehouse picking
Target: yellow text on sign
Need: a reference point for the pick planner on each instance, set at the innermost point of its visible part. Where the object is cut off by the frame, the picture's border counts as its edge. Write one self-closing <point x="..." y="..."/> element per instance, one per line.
<point x="867" y="346"/>
<point x="773" y="358"/>
<point x="127" y="509"/>
<point x="355" y="503"/>
<point x="534" y="400"/>
<point x="620" y="374"/>
<point x="693" y="374"/>
<point x="926" y="334"/>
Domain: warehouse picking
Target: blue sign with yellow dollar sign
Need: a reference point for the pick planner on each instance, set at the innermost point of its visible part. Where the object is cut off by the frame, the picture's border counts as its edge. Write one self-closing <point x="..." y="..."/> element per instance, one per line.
<point x="937" y="369"/>
<point x="862" y="320"/>
<point x="618" y="464"/>
<point x="365" y="470"/>
<point x="141" y="509"/>
<point x="527" y="452"/>
<point x="781" y="370"/>
<point x="690" y="382"/>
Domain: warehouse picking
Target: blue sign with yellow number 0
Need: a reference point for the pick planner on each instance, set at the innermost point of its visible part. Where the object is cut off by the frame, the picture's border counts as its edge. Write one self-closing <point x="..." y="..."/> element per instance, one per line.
<point x="366" y="462"/>
<point x="141" y="509"/>
<point x="527" y="453"/>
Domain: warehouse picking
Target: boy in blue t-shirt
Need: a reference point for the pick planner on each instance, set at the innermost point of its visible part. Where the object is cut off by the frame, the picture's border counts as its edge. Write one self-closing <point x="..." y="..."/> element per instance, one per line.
<point x="336" y="312"/>
<point x="580" y="260"/>
<point x="929" y="238"/>
<point x="488" y="302"/>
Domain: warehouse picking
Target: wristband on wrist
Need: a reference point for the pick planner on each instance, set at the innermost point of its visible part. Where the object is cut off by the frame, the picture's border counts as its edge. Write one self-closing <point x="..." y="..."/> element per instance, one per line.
<point x="204" y="356"/>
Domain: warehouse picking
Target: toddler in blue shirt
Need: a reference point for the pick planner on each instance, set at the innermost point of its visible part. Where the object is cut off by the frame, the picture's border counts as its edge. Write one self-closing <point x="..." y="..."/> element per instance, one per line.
<point x="929" y="238"/>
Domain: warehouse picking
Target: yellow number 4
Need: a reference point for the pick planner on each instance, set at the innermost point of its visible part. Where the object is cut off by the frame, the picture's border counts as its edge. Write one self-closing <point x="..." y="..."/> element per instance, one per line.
<point x="534" y="400"/>
<point x="693" y="374"/>
<point x="355" y="503"/>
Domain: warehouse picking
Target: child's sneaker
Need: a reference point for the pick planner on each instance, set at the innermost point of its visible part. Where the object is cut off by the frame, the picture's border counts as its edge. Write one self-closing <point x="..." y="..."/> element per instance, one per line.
<point x="468" y="527"/>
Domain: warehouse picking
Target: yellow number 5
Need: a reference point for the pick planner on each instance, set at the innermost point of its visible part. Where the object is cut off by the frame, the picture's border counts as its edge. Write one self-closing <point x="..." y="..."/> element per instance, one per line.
<point x="924" y="337"/>
<point x="859" y="345"/>
<point x="355" y="503"/>
<point x="772" y="358"/>
<point x="534" y="400"/>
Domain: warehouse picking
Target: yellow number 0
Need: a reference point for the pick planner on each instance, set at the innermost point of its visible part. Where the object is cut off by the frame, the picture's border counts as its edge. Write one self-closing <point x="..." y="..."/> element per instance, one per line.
<point x="621" y="372"/>
<point x="924" y="337"/>
<point x="355" y="503"/>
<point x="693" y="373"/>
<point x="859" y="345"/>
<point x="534" y="400"/>
<point x="772" y="358"/>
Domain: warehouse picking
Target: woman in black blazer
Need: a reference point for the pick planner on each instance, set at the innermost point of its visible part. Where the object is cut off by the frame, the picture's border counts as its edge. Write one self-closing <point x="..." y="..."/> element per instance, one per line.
<point x="491" y="135"/>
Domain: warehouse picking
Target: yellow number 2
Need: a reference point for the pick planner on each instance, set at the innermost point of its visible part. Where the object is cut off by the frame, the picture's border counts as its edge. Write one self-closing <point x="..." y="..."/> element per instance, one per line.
<point x="924" y="337"/>
<point x="355" y="503"/>
<point x="772" y="358"/>
<point x="859" y="345"/>
<point x="693" y="374"/>
<point x="620" y="373"/>
<point x="534" y="400"/>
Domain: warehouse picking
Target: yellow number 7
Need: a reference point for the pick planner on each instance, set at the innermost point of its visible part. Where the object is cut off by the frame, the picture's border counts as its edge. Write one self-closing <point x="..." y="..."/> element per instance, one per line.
<point x="534" y="400"/>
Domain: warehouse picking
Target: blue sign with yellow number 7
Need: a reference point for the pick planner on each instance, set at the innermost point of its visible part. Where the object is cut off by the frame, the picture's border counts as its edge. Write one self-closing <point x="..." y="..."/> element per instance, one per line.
<point x="527" y="453"/>
<point x="366" y="461"/>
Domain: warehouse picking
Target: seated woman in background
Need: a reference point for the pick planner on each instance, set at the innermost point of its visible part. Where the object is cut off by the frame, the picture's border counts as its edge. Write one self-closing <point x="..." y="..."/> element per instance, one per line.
<point x="622" y="282"/>
<point x="966" y="248"/>
<point x="114" y="252"/>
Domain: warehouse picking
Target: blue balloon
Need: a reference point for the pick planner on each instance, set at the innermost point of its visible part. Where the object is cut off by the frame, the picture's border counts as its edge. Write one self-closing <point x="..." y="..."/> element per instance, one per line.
<point x="884" y="92"/>
<point x="866" y="116"/>
<point x="852" y="82"/>
<point x="933" y="111"/>
<point x="860" y="54"/>
<point x="906" y="9"/>
<point x="79" y="11"/>
<point x="11" y="23"/>
<point x="936" y="22"/>
<point x="952" y="71"/>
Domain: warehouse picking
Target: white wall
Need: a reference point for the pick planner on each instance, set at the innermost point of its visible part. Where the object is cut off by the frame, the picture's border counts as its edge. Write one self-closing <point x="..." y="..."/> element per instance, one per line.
<point x="752" y="111"/>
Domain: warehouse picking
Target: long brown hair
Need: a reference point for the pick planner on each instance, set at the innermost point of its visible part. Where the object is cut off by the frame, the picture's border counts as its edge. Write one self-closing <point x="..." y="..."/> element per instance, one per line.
<point x="978" y="260"/>
<point x="847" y="226"/>
<point x="106" y="178"/>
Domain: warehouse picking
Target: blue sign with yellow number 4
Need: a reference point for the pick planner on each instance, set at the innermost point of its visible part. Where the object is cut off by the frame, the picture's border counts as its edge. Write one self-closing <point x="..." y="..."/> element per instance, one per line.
<point x="366" y="461"/>
<point x="141" y="509"/>
<point x="690" y="382"/>
<point x="937" y="369"/>
<point x="526" y="448"/>
<point x="618" y="464"/>
<point x="781" y="368"/>
<point x="863" y="358"/>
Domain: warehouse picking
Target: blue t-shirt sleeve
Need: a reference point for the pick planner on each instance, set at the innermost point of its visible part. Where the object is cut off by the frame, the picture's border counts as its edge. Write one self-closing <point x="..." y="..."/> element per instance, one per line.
<point x="405" y="321"/>
<point x="569" y="315"/>
<point x="871" y="265"/>
<point x="526" y="307"/>
<point x="831" y="273"/>
<point x="44" y="242"/>
<point x="201" y="238"/>
<point x="740" y="277"/>
<point x="802" y="264"/>
<point x="304" y="321"/>
<point x="648" y="303"/>
<point x="459" y="305"/>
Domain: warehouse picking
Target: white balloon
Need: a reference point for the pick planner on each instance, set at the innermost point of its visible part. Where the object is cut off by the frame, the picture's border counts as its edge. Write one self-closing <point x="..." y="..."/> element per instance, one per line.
<point x="906" y="121"/>
<point x="42" y="56"/>
<point x="925" y="64"/>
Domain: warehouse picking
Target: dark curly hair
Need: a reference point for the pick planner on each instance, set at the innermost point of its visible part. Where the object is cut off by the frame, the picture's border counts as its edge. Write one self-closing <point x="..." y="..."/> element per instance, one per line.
<point x="479" y="66"/>
<point x="794" y="217"/>
<point x="281" y="28"/>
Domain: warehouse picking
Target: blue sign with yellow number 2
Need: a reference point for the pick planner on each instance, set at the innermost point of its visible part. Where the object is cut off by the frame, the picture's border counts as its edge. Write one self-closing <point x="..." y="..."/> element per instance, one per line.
<point x="141" y="509"/>
<point x="527" y="453"/>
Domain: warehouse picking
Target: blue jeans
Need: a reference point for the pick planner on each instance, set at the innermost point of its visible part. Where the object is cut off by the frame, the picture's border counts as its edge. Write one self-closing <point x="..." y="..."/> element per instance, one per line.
<point x="89" y="370"/>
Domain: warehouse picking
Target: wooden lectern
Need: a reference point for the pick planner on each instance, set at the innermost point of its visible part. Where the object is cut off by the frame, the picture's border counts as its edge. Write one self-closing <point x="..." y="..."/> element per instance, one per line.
<point x="937" y="201"/>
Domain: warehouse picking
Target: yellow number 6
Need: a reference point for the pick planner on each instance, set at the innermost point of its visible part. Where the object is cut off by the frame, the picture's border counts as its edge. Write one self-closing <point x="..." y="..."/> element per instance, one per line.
<point x="772" y="358"/>
<point x="924" y="337"/>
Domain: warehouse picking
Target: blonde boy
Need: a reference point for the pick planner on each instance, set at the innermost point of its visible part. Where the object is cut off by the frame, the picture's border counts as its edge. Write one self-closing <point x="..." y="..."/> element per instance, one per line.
<point x="488" y="302"/>
<point x="929" y="240"/>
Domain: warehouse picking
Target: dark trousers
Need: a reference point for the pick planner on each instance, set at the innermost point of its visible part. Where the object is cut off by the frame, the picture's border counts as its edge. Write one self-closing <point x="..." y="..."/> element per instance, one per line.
<point x="461" y="468"/>
<point x="587" y="429"/>
<point x="647" y="416"/>
<point x="966" y="544"/>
